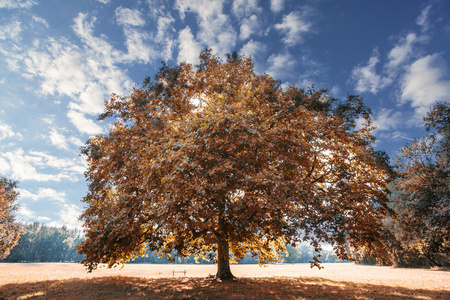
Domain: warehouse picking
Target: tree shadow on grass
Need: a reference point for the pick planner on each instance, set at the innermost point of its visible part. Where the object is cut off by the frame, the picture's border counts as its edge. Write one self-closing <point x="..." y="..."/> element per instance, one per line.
<point x="118" y="287"/>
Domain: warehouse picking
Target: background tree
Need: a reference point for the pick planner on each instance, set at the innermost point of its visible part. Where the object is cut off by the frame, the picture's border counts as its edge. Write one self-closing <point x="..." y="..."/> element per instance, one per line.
<point x="217" y="159"/>
<point x="40" y="243"/>
<point x="10" y="230"/>
<point x="291" y="255"/>
<point x="421" y="193"/>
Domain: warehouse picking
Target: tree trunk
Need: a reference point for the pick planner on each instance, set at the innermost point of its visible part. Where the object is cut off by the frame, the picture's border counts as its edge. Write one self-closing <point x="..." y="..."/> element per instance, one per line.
<point x="223" y="261"/>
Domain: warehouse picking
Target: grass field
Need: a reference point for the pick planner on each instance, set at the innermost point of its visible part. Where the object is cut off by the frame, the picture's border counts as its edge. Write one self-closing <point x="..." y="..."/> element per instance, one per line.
<point x="288" y="281"/>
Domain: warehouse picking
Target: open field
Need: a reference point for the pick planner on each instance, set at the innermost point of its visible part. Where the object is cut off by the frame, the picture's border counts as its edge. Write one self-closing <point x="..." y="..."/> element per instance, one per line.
<point x="288" y="281"/>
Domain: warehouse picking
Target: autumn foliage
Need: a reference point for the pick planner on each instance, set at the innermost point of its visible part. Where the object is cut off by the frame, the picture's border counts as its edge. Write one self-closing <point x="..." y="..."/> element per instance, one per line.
<point x="10" y="230"/>
<point x="421" y="196"/>
<point x="217" y="159"/>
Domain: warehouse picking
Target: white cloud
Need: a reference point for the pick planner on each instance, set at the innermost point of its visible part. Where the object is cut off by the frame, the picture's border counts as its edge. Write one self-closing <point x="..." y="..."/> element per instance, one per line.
<point x="426" y="82"/>
<point x="10" y="31"/>
<point x="388" y="119"/>
<point x="253" y="48"/>
<point x="86" y="73"/>
<point x="24" y="212"/>
<point x="423" y="19"/>
<point x="276" y="5"/>
<point x="165" y="35"/>
<point x="82" y="123"/>
<point x="31" y="166"/>
<point x="76" y="141"/>
<point x="5" y="131"/>
<point x="367" y="78"/>
<point x="57" y="139"/>
<point x="165" y="26"/>
<point x="53" y="65"/>
<point x="41" y="20"/>
<point x="138" y="49"/>
<point x="69" y="217"/>
<point x="189" y="48"/>
<point x="17" y="3"/>
<point x="215" y="29"/>
<point x="4" y="165"/>
<point x="243" y="8"/>
<point x="89" y="100"/>
<point x="294" y="26"/>
<point x="401" y="53"/>
<point x="126" y="16"/>
<point x="43" y="194"/>
<point x="104" y="1"/>
<point x="279" y="64"/>
<point x="204" y="8"/>
<point x="98" y="48"/>
<point x="248" y="27"/>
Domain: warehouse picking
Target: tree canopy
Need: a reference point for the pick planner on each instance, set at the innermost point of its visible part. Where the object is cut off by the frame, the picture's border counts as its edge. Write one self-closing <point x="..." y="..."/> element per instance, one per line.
<point x="215" y="158"/>
<point x="10" y="230"/>
<point x="421" y="193"/>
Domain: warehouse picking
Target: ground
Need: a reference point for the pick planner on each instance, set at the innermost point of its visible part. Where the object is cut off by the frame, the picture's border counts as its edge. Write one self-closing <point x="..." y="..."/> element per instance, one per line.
<point x="284" y="281"/>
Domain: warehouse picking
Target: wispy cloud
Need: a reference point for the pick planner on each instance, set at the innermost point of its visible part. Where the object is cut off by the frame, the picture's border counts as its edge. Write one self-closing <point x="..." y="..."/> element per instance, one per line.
<point x="58" y="139"/>
<point x="366" y="76"/>
<point x="41" y="21"/>
<point x="24" y="212"/>
<point x="420" y="80"/>
<point x="423" y="19"/>
<point x="10" y="31"/>
<point x="245" y="8"/>
<point x="83" y="124"/>
<point x="68" y="216"/>
<point x="215" y="28"/>
<point x="43" y="194"/>
<point x="93" y="75"/>
<point x="6" y="131"/>
<point x="402" y="52"/>
<point x="166" y="35"/>
<point x="126" y="16"/>
<point x="388" y="119"/>
<point x="10" y="4"/>
<point x="41" y="167"/>
<point x="253" y="48"/>
<point x="280" y="64"/>
<point x="295" y="25"/>
<point x="249" y="26"/>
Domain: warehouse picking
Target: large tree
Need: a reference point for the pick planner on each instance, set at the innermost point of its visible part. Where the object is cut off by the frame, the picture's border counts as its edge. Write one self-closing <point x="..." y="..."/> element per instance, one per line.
<point x="421" y="193"/>
<point x="217" y="159"/>
<point x="10" y="230"/>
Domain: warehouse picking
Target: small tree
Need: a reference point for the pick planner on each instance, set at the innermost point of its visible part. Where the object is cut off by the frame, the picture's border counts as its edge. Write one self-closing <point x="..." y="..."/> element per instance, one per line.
<point x="10" y="230"/>
<point x="217" y="158"/>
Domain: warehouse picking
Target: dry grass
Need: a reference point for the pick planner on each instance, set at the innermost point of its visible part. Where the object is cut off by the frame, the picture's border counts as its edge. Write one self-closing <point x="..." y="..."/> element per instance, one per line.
<point x="297" y="281"/>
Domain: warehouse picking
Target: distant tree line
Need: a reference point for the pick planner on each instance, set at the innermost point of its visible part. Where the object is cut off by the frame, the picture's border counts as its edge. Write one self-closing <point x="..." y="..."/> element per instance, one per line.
<point x="303" y="253"/>
<point x="40" y="243"/>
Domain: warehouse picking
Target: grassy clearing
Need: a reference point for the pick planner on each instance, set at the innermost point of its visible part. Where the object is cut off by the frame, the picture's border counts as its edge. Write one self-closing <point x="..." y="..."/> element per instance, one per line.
<point x="337" y="281"/>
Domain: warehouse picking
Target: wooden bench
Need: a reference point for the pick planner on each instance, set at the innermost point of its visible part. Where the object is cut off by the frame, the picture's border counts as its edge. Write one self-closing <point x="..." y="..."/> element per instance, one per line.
<point x="178" y="271"/>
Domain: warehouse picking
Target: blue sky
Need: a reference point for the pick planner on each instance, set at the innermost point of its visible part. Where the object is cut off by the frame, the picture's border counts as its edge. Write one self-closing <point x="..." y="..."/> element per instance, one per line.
<point x="59" y="61"/>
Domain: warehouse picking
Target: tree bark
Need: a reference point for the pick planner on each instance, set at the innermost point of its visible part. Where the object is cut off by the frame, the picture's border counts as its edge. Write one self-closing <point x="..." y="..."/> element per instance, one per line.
<point x="223" y="261"/>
